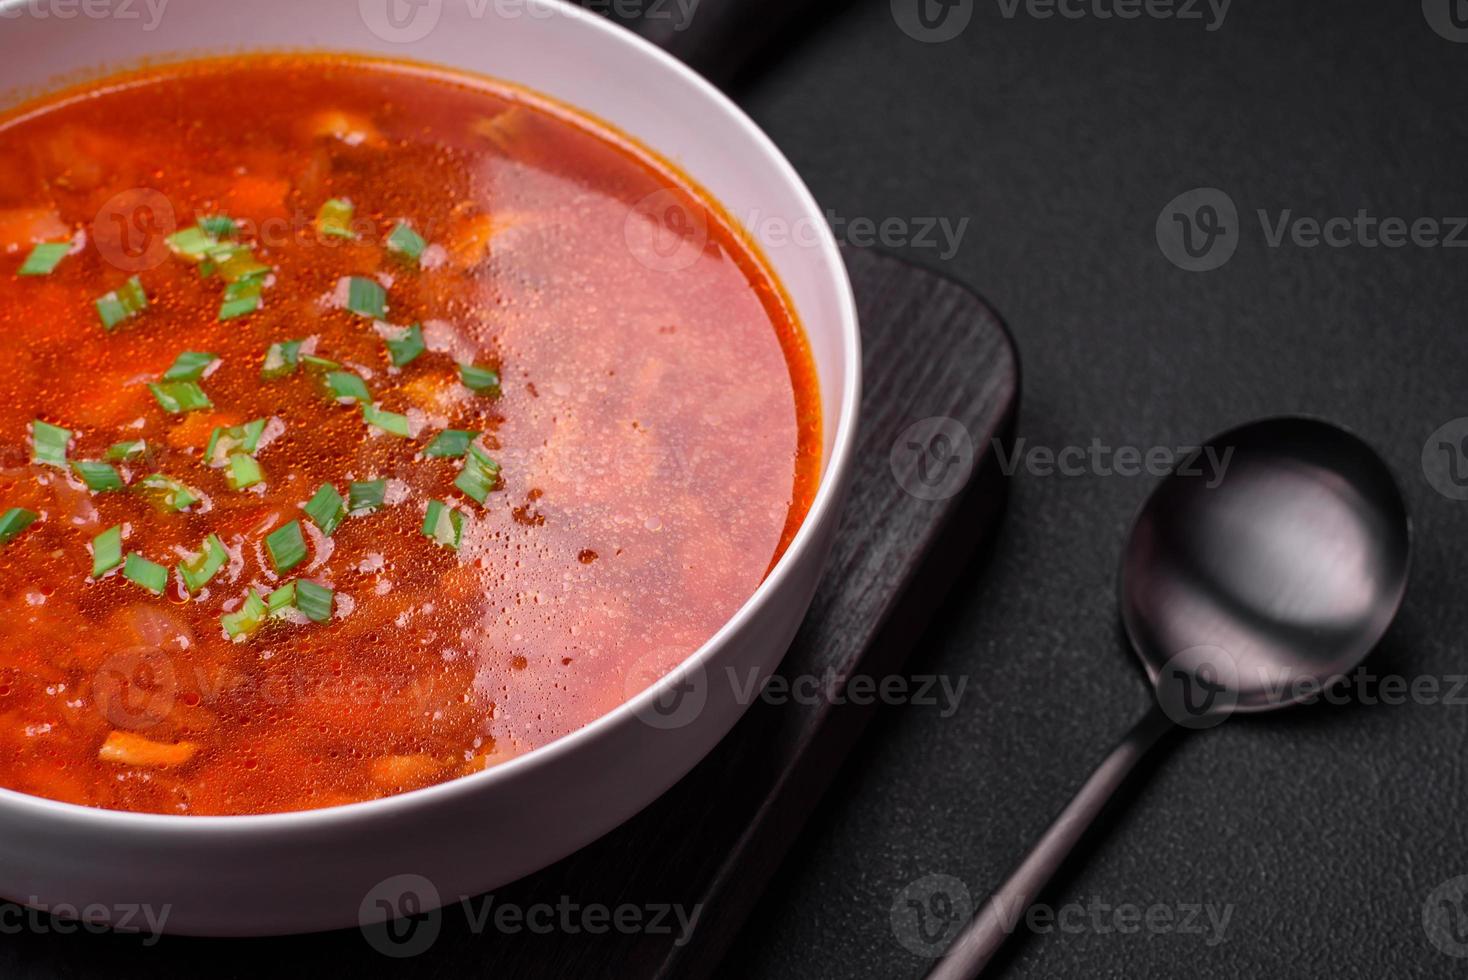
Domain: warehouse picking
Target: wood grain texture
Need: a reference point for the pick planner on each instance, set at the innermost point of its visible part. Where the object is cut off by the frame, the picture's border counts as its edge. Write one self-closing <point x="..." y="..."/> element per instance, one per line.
<point x="932" y="349"/>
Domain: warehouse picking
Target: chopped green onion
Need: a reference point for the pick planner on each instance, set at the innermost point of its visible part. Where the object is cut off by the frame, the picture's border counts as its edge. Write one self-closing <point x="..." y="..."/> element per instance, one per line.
<point x="282" y="598"/>
<point x="107" y="551"/>
<point x="193" y="244"/>
<point x="140" y="571"/>
<point x="335" y="218"/>
<point x="406" y="242"/>
<point x="178" y="397"/>
<point x="365" y="297"/>
<point x="166" y="492"/>
<point x="98" y="476"/>
<point x="189" y="366"/>
<point x="123" y="303"/>
<point x="48" y="443"/>
<point x="14" y="521"/>
<point x="386" y="421"/>
<point x="281" y="359"/>
<point x="235" y="263"/>
<point x="241" y="298"/>
<point x="244" y="471"/>
<point x="224" y="442"/>
<point x="286" y="546"/>
<point x="326" y="509"/>
<point x="126" y="452"/>
<point x="480" y="475"/>
<point x="443" y="524"/>
<point x="247" y="619"/>
<point x="366" y="495"/>
<point x="405" y="347"/>
<point x="348" y="387"/>
<point x="450" y="442"/>
<point x="483" y="380"/>
<point x="314" y="600"/>
<point x="314" y="363"/>
<point x="44" y="259"/>
<point x="220" y="225"/>
<point x="198" y="570"/>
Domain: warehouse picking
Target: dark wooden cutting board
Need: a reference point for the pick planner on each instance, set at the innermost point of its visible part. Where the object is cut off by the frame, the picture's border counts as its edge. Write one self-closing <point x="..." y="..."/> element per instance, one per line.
<point x="932" y="350"/>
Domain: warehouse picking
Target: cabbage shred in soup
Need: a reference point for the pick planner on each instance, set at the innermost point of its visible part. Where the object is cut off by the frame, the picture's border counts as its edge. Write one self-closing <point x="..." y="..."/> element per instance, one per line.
<point x="364" y="435"/>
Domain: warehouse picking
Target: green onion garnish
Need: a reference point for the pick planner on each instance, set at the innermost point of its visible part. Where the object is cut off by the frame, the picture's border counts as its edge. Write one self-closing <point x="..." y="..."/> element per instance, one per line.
<point x="405" y="347"/>
<point x="44" y="258"/>
<point x="314" y="600"/>
<point x="480" y="475"/>
<point x="450" y="442"/>
<point x="123" y="303"/>
<point x="99" y="477"/>
<point x="406" y="242"/>
<point x="314" y="363"/>
<point x="198" y="570"/>
<point x="443" y="524"/>
<point x="178" y="397"/>
<point x="483" y="380"/>
<point x="224" y="442"/>
<point x="193" y="244"/>
<point x="386" y="421"/>
<point x="366" y="495"/>
<point x="126" y="452"/>
<point x="241" y="298"/>
<point x="244" y="471"/>
<point x="140" y="571"/>
<point x="281" y="359"/>
<point x="326" y="509"/>
<point x="166" y="492"/>
<point x="366" y="297"/>
<point x="14" y="521"/>
<point x="235" y="263"/>
<point x="346" y="386"/>
<point x="189" y="366"/>
<point x="247" y="619"/>
<point x="219" y="225"/>
<point x="107" y="551"/>
<point x="282" y="598"/>
<point x="48" y="443"/>
<point x="286" y="546"/>
<point x="335" y="218"/>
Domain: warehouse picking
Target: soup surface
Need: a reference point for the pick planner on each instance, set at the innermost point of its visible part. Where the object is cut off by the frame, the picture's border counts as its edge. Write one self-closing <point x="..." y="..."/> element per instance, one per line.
<point x="363" y="426"/>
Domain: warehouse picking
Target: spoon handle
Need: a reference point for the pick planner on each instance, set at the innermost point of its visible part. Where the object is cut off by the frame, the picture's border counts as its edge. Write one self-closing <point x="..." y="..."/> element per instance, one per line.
<point x="978" y="943"/>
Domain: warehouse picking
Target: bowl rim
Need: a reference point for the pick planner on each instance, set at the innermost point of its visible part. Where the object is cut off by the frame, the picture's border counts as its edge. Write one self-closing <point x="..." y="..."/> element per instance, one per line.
<point x="824" y="507"/>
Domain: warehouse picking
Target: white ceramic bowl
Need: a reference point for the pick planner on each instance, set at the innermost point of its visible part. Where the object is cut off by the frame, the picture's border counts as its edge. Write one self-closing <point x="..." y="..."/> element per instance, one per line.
<point x="300" y="872"/>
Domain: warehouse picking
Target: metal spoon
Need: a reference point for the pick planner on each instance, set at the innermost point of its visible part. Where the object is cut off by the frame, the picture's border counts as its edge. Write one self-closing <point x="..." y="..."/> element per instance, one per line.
<point x="1245" y="591"/>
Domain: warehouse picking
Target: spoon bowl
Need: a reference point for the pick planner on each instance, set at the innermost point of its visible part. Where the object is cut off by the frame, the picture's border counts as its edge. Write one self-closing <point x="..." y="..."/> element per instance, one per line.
<point x="1266" y="570"/>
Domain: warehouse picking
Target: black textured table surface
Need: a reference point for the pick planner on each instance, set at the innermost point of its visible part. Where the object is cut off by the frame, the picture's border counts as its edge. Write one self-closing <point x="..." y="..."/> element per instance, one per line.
<point x="1308" y="844"/>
